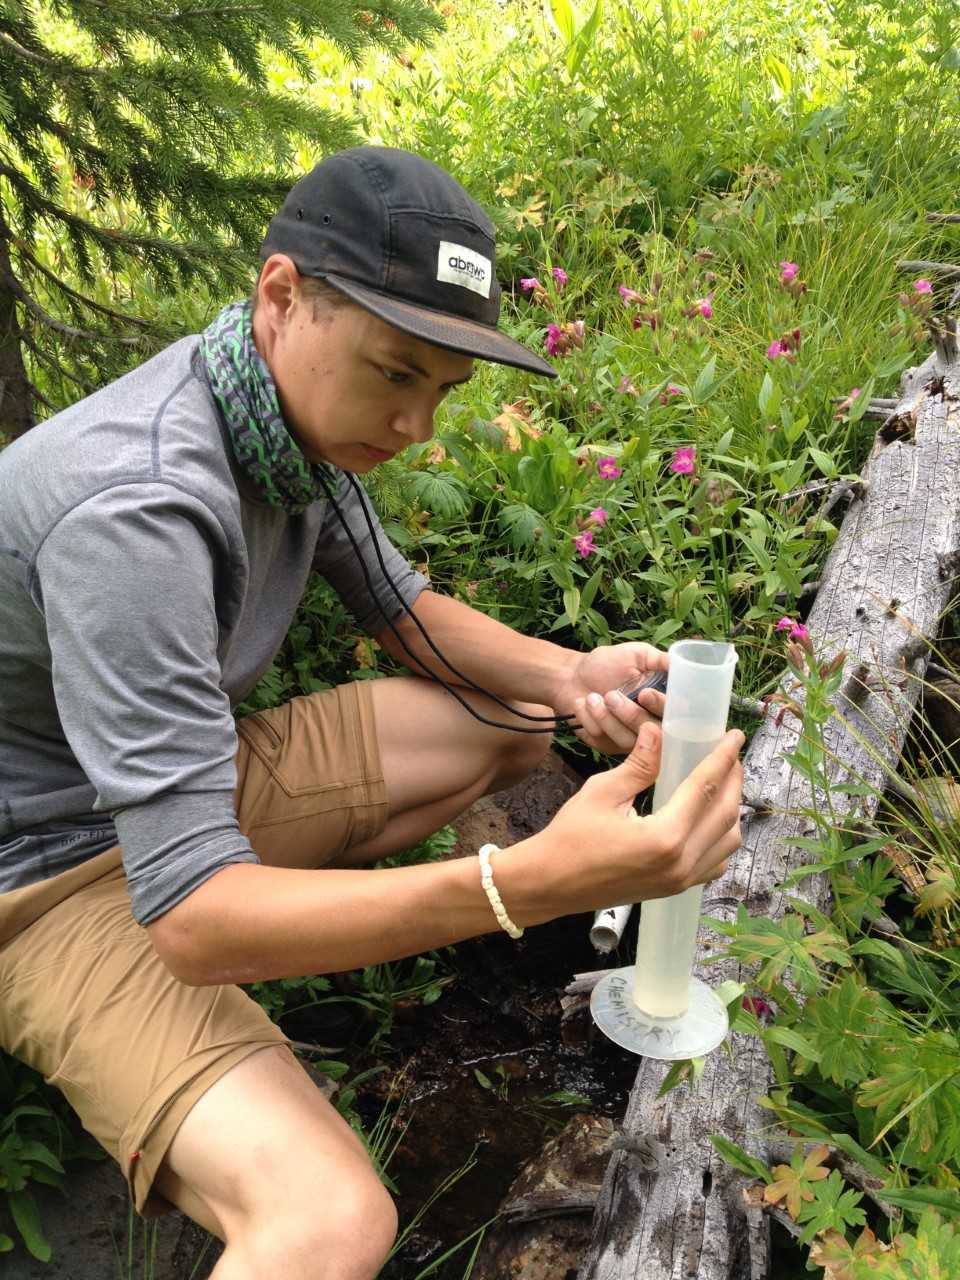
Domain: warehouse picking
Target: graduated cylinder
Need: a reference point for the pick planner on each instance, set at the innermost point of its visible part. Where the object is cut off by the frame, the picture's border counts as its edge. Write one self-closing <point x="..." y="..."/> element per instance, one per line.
<point x="694" y="721"/>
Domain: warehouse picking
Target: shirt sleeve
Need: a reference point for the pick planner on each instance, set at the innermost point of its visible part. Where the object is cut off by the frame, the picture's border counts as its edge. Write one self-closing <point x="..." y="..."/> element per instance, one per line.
<point x="127" y="581"/>
<point x="361" y="583"/>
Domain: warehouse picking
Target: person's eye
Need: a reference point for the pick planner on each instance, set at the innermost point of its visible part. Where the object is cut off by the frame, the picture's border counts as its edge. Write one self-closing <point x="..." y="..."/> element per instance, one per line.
<point x="395" y="376"/>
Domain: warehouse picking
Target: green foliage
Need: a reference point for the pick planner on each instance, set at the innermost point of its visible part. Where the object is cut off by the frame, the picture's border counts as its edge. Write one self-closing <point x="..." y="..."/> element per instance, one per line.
<point x="34" y="1142"/>
<point x="143" y="147"/>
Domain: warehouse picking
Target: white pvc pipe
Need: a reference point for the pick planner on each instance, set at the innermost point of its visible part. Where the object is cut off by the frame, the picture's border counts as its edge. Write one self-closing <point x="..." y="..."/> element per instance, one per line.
<point x="608" y="927"/>
<point x="694" y="721"/>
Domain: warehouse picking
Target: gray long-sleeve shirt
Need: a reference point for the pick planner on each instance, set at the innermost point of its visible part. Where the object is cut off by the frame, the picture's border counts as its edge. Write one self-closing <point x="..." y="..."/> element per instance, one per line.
<point x="144" y="589"/>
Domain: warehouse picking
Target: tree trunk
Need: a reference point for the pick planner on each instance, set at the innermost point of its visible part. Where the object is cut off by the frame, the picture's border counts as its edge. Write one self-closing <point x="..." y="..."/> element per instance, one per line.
<point x="16" y="392"/>
<point x="890" y="575"/>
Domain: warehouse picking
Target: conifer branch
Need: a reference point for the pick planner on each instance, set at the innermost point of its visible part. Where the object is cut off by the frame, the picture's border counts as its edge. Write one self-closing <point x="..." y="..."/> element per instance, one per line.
<point x="82" y="298"/>
<point x="51" y="362"/>
<point x="58" y="326"/>
<point x="60" y="65"/>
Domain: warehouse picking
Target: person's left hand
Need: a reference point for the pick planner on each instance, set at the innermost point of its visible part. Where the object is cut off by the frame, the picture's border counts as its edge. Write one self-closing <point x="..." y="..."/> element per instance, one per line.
<point x="609" y="720"/>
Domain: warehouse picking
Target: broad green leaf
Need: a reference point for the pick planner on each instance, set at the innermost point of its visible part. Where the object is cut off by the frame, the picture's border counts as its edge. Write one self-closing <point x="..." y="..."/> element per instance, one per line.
<point x="779" y="73"/>
<point x="561" y="15"/>
<point x="740" y="1159"/>
<point x="582" y="41"/>
<point x="791" y="1039"/>
<point x="769" y="398"/>
<point x="590" y="590"/>
<point x="917" y="1198"/>
<point x="845" y="1022"/>
<point x="522" y="524"/>
<point x="571" y="603"/>
<point x="26" y="1216"/>
<point x="834" y="1208"/>
<point x="825" y="463"/>
<point x="704" y="384"/>
<point x="919" y="1083"/>
<point x="440" y="492"/>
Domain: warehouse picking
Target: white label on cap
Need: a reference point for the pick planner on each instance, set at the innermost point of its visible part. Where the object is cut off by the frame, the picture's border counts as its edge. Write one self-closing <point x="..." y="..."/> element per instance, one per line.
<point x="456" y="264"/>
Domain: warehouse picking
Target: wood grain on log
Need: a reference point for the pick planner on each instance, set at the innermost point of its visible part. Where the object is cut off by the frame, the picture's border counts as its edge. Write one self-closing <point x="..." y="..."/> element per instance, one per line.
<point x="887" y="580"/>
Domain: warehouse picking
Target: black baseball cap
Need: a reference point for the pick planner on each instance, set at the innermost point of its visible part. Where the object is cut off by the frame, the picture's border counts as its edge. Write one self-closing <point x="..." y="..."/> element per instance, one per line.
<point x="401" y="238"/>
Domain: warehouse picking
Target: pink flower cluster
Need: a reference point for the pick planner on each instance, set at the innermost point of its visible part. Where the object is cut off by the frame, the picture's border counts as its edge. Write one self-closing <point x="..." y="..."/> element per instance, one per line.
<point x="798" y="630"/>
<point x="684" y="460"/>
<point x="701" y="307"/>
<point x="608" y="469"/>
<point x="787" y="345"/>
<point x="562" y="338"/>
<point x="584" y="541"/>
<point x="790" y="279"/>
<point x="921" y="299"/>
<point x="533" y="286"/>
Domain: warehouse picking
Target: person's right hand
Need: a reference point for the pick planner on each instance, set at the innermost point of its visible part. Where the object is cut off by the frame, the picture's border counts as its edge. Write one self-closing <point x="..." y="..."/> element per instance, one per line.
<point x="601" y="852"/>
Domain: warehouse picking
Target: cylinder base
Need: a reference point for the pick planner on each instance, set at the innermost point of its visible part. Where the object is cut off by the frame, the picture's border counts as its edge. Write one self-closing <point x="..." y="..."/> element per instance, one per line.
<point x="689" y="1035"/>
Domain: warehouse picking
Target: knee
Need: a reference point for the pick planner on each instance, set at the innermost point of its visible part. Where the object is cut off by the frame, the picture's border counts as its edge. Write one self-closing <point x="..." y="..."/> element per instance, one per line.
<point x="359" y="1231"/>
<point x="341" y="1234"/>
<point x="518" y="754"/>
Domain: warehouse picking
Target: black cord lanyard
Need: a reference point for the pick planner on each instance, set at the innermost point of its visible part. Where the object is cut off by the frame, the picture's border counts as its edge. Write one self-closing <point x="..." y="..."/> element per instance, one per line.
<point x="495" y="724"/>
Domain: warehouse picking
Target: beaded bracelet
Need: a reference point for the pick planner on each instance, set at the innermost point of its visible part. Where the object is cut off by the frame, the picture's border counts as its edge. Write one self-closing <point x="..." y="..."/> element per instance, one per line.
<point x="490" y="889"/>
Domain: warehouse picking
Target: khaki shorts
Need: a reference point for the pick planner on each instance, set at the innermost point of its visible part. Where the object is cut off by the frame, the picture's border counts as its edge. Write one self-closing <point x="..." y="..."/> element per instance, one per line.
<point x="84" y="998"/>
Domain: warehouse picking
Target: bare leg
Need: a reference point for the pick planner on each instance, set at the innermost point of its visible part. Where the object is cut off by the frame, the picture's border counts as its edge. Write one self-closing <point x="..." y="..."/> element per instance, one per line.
<point x="266" y="1162"/>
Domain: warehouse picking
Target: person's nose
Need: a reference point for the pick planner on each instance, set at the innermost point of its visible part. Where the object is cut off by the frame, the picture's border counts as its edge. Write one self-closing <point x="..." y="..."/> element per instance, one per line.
<point x="415" y="422"/>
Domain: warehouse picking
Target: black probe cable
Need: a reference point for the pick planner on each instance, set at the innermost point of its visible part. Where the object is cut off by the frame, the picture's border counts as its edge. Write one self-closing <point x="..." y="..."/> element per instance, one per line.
<point x="495" y="724"/>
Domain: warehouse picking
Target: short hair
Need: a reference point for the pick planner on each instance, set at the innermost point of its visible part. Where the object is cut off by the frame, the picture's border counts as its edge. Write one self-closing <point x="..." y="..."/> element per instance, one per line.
<point x="323" y="297"/>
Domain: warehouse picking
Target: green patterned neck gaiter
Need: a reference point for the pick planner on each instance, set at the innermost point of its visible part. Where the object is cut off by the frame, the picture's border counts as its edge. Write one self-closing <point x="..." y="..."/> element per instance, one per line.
<point x="246" y="395"/>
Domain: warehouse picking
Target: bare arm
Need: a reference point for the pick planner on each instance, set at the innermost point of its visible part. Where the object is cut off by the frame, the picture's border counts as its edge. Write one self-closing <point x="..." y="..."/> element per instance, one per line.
<point x="494" y="655"/>
<point x="253" y="922"/>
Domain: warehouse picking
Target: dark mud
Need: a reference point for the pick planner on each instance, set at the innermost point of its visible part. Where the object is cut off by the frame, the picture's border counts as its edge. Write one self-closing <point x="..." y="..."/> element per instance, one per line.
<point x="500" y="1017"/>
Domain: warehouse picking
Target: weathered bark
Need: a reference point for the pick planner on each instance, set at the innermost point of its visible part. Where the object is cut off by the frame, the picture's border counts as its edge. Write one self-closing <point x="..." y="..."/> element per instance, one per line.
<point x="886" y="582"/>
<point x="16" y="393"/>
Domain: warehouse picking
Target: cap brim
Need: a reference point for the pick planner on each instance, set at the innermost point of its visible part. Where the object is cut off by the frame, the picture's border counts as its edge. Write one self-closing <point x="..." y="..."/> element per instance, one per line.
<point x="468" y="337"/>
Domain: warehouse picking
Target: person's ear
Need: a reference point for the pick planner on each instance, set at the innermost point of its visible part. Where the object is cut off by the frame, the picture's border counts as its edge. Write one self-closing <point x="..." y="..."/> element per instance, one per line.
<point x="278" y="289"/>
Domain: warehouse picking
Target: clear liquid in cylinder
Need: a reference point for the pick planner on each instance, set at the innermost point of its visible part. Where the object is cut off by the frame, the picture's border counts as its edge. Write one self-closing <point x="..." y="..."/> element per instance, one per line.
<point x="668" y="926"/>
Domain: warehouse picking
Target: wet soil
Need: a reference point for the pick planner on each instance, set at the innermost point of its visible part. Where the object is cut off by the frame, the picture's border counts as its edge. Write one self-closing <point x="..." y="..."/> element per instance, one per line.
<point x="500" y="1017"/>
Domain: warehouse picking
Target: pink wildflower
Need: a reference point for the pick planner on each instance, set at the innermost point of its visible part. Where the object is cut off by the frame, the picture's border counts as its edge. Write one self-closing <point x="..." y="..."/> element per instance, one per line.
<point x="530" y="282"/>
<point x="853" y="393"/>
<point x="787" y="271"/>
<point x="630" y="295"/>
<point x="626" y="387"/>
<point x="799" y="632"/>
<point x="598" y="516"/>
<point x="560" y="276"/>
<point x="775" y="349"/>
<point x="554" y="340"/>
<point x="607" y="469"/>
<point x="785" y="624"/>
<point x="584" y="543"/>
<point x="684" y="460"/>
<point x="705" y="306"/>
<point x="922" y="286"/>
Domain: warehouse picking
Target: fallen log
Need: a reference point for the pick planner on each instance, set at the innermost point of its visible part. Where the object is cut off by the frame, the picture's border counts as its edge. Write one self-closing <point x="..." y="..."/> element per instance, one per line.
<point x="948" y="270"/>
<point x="887" y="580"/>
